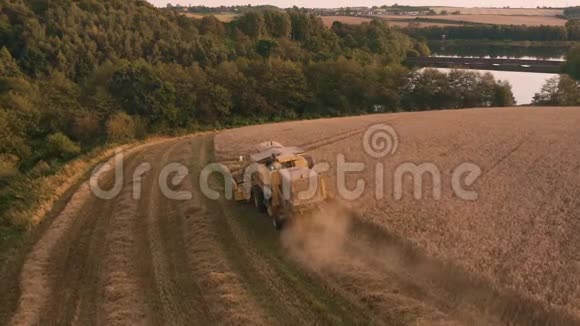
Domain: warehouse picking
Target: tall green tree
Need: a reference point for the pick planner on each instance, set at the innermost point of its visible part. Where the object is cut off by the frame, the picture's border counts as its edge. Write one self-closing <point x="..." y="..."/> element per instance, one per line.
<point x="572" y="66"/>
<point x="278" y="23"/>
<point x="252" y="24"/>
<point x="559" y="91"/>
<point x="138" y="87"/>
<point x="265" y="48"/>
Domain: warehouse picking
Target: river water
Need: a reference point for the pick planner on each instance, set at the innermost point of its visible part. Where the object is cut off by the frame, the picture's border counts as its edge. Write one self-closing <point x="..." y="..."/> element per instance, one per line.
<point x="524" y="84"/>
<point x="498" y="51"/>
<point x="525" y="57"/>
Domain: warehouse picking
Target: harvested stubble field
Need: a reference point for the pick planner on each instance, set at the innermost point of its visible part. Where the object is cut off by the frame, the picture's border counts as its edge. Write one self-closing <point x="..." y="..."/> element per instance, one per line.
<point x="521" y="236"/>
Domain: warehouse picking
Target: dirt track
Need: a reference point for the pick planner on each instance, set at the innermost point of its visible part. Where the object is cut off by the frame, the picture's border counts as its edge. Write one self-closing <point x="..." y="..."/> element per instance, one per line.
<point x="160" y="261"/>
<point x="126" y="261"/>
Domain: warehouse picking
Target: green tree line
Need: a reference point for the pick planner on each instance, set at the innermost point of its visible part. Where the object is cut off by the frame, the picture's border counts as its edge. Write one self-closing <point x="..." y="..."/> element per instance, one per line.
<point x="569" y="32"/>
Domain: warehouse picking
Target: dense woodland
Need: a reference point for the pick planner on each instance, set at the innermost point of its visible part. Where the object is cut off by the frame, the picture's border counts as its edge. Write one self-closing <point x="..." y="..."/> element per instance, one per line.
<point x="74" y="74"/>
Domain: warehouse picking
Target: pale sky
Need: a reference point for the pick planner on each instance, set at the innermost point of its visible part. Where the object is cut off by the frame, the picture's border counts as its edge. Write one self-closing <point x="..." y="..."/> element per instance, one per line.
<point x="370" y="3"/>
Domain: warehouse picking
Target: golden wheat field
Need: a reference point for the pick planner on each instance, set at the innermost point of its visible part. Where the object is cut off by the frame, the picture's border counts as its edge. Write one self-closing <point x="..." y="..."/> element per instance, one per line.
<point x="493" y="19"/>
<point x="522" y="231"/>
<point x="223" y="17"/>
<point x="352" y="20"/>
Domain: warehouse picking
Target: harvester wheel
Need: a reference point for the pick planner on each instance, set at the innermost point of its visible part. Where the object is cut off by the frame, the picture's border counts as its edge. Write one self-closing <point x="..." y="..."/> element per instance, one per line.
<point x="258" y="197"/>
<point x="278" y="222"/>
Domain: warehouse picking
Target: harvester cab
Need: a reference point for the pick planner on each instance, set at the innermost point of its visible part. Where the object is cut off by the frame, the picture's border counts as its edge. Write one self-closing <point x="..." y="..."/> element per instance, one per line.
<point x="280" y="181"/>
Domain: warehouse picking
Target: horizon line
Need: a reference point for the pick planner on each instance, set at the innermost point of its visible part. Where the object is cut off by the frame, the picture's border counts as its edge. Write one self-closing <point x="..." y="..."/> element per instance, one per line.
<point x="361" y="6"/>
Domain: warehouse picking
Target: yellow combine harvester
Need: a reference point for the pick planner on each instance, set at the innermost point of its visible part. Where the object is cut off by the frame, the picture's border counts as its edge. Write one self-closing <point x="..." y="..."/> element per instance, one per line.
<point x="280" y="181"/>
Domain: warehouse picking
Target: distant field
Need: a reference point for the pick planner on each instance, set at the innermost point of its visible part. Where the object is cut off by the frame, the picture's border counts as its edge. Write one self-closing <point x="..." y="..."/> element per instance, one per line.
<point x="417" y="24"/>
<point x="453" y="20"/>
<point x="328" y="20"/>
<point x="224" y="17"/>
<point x="493" y="19"/>
<point x="502" y="11"/>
